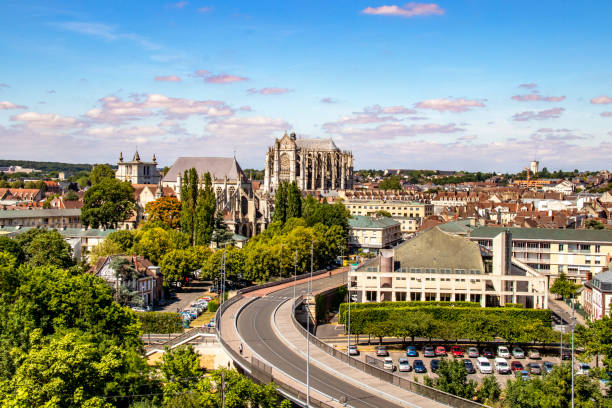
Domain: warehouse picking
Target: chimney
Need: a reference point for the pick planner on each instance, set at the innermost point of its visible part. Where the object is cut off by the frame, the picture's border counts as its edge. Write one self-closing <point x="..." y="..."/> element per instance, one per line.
<point x="589" y="275"/>
<point x="386" y="260"/>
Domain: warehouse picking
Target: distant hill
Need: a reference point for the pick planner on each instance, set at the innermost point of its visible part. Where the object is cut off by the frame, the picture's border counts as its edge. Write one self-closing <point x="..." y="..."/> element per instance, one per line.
<point x="68" y="168"/>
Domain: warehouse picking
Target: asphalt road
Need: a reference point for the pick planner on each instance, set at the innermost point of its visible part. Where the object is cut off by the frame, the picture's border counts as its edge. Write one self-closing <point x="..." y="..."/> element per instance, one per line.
<point x="255" y="327"/>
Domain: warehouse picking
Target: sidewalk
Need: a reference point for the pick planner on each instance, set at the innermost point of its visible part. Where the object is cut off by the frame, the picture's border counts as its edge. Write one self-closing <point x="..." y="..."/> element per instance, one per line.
<point x="564" y="310"/>
<point x="293" y="338"/>
<point x="266" y="291"/>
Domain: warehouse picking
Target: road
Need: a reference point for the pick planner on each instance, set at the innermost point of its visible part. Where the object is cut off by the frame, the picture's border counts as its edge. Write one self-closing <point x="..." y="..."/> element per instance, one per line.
<point x="255" y="327"/>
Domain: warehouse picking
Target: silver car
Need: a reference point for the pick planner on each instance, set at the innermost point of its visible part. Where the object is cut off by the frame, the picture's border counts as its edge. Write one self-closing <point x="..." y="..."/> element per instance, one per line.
<point x="403" y="364"/>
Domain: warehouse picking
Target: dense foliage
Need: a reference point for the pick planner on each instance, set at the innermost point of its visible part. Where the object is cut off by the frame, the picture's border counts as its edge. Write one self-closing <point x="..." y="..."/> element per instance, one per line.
<point x="166" y="210"/>
<point x="108" y="203"/>
<point x="160" y="322"/>
<point x="449" y="322"/>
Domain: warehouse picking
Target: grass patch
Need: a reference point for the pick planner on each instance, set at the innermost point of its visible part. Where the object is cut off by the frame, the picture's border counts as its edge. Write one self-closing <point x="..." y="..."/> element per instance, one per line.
<point x="202" y="319"/>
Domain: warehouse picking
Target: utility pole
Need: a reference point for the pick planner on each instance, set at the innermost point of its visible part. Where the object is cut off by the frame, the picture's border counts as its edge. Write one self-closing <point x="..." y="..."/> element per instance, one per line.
<point x="223" y="388"/>
<point x="280" y="263"/>
<point x="573" y="324"/>
<point x="294" y="272"/>
<point x="308" y="328"/>
<point x="223" y="275"/>
<point x="348" y="331"/>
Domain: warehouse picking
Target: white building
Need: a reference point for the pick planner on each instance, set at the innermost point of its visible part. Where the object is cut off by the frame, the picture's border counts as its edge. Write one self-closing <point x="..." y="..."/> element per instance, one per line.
<point x="439" y="266"/>
<point x="598" y="295"/>
<point x="137" y="171"/>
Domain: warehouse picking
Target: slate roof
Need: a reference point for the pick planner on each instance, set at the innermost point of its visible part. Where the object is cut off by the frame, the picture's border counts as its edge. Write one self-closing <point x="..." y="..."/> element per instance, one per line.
<point x="71" y="212"/>
<point x="435" y="248"/>
<point x="317" y="144"/>
<point x="219" y="167"/>
<point x="363" y="221"/>
<point x="548" y="234"/>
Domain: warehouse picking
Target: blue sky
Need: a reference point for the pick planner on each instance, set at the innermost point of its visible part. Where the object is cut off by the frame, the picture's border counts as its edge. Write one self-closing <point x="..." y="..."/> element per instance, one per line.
<point x="475" y="85"/>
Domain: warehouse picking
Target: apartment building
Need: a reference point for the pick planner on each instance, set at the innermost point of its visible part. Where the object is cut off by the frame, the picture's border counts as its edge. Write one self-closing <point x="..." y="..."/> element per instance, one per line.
<point x="440" y="266"/>
<point x="373" y="233"/>
<point x="578" y="253"/>
<point x="41" y="218"/>
<point x="598" y="295"/>
<point x="409" y="214"/>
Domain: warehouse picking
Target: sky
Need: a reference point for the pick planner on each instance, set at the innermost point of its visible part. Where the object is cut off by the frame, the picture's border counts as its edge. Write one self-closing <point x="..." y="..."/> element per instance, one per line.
<point x="463" y="84"/>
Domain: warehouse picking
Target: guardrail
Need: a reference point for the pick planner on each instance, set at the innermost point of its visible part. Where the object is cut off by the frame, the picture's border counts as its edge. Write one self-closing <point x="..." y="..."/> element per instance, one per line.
<point x="421" y="389"/>
<point x="260" y="371"/>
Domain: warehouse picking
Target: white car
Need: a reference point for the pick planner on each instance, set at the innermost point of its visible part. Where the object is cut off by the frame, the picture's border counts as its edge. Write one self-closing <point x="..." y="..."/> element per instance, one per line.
<point x="353" y="350"/>
<point x="483" y="365"/>
<point x="518" y="352"/>
<point x="503" y="352"/>
<point x="501" y="366"/>
<point x="404" y="364"/>
<point x="388" y="364"/>
<point x="583" y="369"/>
<point x="472" y="352"/>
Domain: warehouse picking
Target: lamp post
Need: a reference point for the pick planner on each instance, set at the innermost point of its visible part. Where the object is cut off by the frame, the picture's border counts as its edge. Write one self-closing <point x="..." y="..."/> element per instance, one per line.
<point x="294" y="272"/>
<point x="573" y="325"/>
<point x="308" y="328"/>
<point x="280" y="263"/>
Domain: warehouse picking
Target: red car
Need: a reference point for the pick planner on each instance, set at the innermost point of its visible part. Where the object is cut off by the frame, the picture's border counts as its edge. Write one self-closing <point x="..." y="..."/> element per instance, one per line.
<point x="516" y="366"/>
<point x="440" y="351"/>
<point x="456" y="351"/>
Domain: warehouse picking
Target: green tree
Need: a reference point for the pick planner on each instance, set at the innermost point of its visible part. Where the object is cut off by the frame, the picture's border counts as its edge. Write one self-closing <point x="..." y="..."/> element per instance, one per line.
<point x="280" y="203"/>
<point x="101" y="172"/>
<point x="108" y="203"/>
<point x="12" y="247"/>
<point x="489" y="391"/>
<point x="452" y="377"/>
<point x="206" y="206"/>
<point x="104" y="248"/>
<point x="390" y="183"/>
<point x="48" y="248"/>
<point x="71" y="196"/>
<point x="176" y="265"/>
<point x="124" y="239"/>
<point x="294" y="201"/>
<point x="189" y="197"/>
<point x="596" y="338"/>
<point x="593" y="224"/>
<point x="180" y="368"/>
<point x="220" y="232"/>
<point x="166" y="210"/>
<point x="156" y="242"/>
<point x="564" y="287"/>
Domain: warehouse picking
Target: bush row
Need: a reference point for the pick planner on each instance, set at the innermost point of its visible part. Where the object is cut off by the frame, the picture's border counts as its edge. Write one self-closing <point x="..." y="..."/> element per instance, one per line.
<point x="160" y="322"/>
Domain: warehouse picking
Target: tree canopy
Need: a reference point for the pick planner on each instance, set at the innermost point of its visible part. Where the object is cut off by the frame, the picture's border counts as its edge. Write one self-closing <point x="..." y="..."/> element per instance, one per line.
<point x="167" y="210"/>
<point x="108" y="203"/>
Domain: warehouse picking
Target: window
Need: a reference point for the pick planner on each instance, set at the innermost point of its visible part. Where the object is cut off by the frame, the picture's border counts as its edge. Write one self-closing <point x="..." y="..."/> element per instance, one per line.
<point x="474" y="272"/>
<point x="561" y="268"/>
<point x="371" y="295"/>
<point x="430" y="270"/>
<point x="597" y="249"/>
<point x="415" y="296"/>
<point x="560" y="247"/>
<point x="445" y="270"/>
<point x="585" y="247"/>
<point x="460" y="271"/>
<point x="597" y="260"/>
<point x="587" y="260"/>
<point x="415" y="270"/>
<point x="430" y="296"/>
<point x="400" y="296"/>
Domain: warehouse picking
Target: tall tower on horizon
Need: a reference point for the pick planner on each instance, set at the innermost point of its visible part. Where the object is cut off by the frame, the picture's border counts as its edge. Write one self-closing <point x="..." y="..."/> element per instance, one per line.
<point x="534" y="167"/>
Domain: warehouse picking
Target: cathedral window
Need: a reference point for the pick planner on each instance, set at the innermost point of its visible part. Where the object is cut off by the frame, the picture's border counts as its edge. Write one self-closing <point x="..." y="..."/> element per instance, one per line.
<point x="284" y="167"/>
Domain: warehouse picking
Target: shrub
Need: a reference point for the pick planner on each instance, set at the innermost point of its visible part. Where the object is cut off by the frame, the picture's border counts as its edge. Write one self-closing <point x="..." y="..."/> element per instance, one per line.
<point x="213" y="305"/>
<point x="160" y="322"/>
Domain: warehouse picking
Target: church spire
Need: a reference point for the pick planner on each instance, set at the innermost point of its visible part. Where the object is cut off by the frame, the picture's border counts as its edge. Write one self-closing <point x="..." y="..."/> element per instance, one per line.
<point x="154" y="158"/>
<point x="120" y="157"/>
<point x="136" y="156"/>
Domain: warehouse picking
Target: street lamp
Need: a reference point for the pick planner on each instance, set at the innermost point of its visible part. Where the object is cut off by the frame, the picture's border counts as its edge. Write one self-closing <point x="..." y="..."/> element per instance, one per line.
<point x="573" y="326"/>
<point x="308" y="328"/>
<point x="280" y="263"/>
<point x="294" y="273"/>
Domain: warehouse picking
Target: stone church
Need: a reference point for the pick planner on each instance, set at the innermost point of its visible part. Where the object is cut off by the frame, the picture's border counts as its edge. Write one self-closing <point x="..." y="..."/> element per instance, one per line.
<point x="314" y="164"/>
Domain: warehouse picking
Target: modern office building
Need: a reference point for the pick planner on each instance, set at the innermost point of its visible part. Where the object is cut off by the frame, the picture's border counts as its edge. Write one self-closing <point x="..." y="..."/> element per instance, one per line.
<point x="579" y="253"/>
<point x="440" y="266"/>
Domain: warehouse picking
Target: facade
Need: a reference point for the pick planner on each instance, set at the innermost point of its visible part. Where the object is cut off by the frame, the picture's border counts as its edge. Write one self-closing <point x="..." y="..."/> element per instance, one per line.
<point x="245" y="212"/>
<point x="137" y="171"/>
<point x="410" y="214"/>
<point x="314" y="164"/>
<point x="45" y="218"/>
<point x="598" y="296"/>
<point x="443" y="267"/>
<point x="16" y="196"/>
<point x="373" y="233"/>
<point x="578" y="253"/>
<point x="148" y="283"/>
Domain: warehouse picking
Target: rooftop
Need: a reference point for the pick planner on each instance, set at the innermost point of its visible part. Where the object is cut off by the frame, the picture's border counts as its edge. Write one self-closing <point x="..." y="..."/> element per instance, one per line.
<point x="69" y="212"/>
<point x="218" y="167"/>
<point x="549" y="234"/>
<point x="318" y="144"/>
<point x="363" y="221"/>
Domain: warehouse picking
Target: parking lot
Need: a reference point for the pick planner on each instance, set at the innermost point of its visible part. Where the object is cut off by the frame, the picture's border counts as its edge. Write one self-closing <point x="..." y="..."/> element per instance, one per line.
<point x="395" y="354"/>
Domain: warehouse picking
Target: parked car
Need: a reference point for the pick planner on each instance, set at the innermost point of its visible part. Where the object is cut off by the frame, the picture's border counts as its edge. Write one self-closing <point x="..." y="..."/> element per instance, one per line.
<point x="469" y="367"/>
<point x="472" y="352"/>
<point x="534" y="368"/>
<point x="518" y="352"/>
<point x="525" y="375"/>
<point x="548" y="366"/>
<point x="456" y="351"/>
<point x="381" y="351"/>
<point x="353" y="350"/>
<point x="583" y="369"/>
<point x="207" y="298"/>
<point x="388" y="364"/>
<point x="503" y="352"/>
<point x="212" y="322"/>
<point x="488" y="353"/>
<point x="516" y="366"/>
<point x="434" y="364"/>
<point x="501" y="365"/>
<point x="534" y="354"/>
<point x="419" y="367"/>
<point x="440" y="351"/>
<point x="428" y="351"/>
<point x="566" y="354"/>
<point x="483" y="365"/>
<point x="411" y="351"/>
<point x="605" y="381"/>
<point x="403" y="364"/>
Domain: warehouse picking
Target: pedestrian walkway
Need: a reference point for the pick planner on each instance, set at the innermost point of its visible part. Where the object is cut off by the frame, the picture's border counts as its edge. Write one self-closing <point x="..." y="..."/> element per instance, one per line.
<point x="565" y="311"/>
<point x="266" y="291"/>
<point x="292" y="337"/>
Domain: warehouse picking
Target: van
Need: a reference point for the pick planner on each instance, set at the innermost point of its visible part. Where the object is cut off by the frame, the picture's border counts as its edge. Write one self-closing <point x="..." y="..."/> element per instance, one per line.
<point x="483" y="365"/>
<point x="501" y="365"/>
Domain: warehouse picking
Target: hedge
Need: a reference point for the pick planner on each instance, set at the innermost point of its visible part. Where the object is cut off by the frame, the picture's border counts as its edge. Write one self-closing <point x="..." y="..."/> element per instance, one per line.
<point x="160" y="322"/>
<point x="412" y="303"/>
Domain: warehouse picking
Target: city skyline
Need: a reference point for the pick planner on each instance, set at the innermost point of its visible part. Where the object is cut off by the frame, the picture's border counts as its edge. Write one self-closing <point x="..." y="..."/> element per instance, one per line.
<point x="444" y="85"/>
